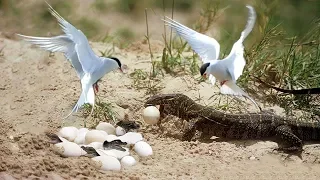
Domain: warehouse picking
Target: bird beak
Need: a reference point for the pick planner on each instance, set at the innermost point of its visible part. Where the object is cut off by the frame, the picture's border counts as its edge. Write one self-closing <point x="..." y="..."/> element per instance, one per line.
<point x="123" y="69"/>
<point x="204" y="75"/>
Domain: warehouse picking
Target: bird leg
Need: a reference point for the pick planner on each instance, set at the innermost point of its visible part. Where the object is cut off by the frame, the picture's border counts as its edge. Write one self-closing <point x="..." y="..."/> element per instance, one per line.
<point x="95" y="88"/>
<point x="222" y="82"/>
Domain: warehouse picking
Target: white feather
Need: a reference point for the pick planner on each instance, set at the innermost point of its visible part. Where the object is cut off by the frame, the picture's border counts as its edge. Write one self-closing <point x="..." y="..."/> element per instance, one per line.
<point x="230" y="68"/>
<point x="212" y="79"/>
<point x="235" y="59"/>
<point x="75" y="46"/>
<point x="83" y="99"/>
<point x="60" y="43"/>
<point x="231" y="88"/>
<point x="206" y="47"/>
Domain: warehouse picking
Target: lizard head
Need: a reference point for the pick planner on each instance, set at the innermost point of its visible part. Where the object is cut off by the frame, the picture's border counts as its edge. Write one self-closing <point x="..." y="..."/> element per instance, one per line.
<point x="128" y="125"/>
<point x="174" y="104"/>
<point x="163" y="99"/>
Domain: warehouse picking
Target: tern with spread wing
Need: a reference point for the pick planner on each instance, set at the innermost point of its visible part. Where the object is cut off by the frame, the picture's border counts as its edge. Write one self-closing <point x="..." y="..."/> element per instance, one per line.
<point x="227" y="70"/>
<point x="74" y="44"/>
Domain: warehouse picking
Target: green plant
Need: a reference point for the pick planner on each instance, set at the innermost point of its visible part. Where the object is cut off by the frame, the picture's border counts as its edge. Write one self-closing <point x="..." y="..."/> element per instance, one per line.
<point x="108" y="51"/>
<point x="180" y="5"/>
<point x="286" y="62"/>
<point x="272" y="54"/>
<point x="121" y="38"/>
<point x="10" y="8"/>
<point x="143" y="80"/>
<point x="129" y="6"/>
<point x="125" y="33"/>
<point x="62" y="7"/>
<point x="100" y="5"/>
<point x="89" y="27"/>
<point x="173" y="60"/>
<point x="139" y="76"/>
<point x="102" y="111"/>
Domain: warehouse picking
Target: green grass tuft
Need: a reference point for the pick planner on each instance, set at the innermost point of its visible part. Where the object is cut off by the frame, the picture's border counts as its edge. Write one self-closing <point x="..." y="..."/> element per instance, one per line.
<point x="103" y="111"/>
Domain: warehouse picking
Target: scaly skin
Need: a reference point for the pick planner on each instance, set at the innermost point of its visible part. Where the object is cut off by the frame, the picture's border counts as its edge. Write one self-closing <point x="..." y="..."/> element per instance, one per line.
<point x="236" y="126"/>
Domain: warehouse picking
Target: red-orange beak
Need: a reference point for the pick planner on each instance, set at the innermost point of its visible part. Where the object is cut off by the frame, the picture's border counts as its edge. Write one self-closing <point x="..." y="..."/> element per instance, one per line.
<point x="123" y="68"/>
<point x="204" y="75"/>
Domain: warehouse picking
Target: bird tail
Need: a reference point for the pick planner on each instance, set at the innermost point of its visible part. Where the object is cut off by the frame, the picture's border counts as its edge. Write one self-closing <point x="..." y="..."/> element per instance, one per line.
<point x="84" y="98"/>
<point x="231" y="88"/>
<point x="250" y="23"/>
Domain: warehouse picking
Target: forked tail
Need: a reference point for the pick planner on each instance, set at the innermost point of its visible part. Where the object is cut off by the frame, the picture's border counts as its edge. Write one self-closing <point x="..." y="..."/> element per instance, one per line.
<point x="84" y="98"/>
<point x="231" y="88"/>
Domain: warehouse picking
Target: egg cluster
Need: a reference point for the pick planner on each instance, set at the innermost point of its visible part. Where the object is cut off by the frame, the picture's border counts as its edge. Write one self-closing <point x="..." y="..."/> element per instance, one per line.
<point x="108" y="146"/>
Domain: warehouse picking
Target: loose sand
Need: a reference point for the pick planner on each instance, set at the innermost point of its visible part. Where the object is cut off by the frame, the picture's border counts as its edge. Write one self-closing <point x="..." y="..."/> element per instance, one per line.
<point x="36" y="91"/>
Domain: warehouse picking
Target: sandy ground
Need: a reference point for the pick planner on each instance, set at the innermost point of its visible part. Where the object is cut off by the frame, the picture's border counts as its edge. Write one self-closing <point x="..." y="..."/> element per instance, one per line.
<point x="38" y="90"/>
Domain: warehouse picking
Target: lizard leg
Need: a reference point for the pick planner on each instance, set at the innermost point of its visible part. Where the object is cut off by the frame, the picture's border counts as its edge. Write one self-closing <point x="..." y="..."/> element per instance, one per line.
<point x="162" y="116"/>
<point x="193" y="126"/>
<point x="190" y="130"/>
<point x="286" y="134"/>
<point x="161" y="110"/>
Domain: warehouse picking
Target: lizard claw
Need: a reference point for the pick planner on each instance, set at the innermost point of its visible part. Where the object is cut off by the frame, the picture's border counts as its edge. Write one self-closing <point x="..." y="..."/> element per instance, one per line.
<point x="290" y="149"/>
<point x="189" y="132"/>
<point x="293" y="150"/>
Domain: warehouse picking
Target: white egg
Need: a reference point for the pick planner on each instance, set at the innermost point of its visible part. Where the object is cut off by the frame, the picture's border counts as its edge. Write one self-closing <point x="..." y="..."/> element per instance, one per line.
<point x="63" y="139"/>
<point x="128" y="161"/>
<point x="111" y="137"/>
<point x="120" y="131"/>
<point x="102" y="153"/>
<point x="80" y="137"/>
<point x="107" y="163"/>
<point x="143" y="149"/>
<point x="69" y="133"/>
<point x="94" y="136"/>
<point x="81" y="130"/>
<point x="69" y="149"/>
<point x="107" y="127"/>
<point x="113" y="152"/>
<point x="131" y="137"/>
<point x="103" y="132"/>
<point x="96" y="145"/>
<point x="151" y="115"/>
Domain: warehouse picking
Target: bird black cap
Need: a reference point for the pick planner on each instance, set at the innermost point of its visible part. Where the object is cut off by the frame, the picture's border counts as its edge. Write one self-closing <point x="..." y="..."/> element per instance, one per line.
<point x="117" y="60"/>
<point x="203" y="68"/>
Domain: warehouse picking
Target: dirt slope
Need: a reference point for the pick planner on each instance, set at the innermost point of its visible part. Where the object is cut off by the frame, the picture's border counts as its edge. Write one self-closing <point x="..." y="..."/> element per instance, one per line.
<point x="36" y="91"/>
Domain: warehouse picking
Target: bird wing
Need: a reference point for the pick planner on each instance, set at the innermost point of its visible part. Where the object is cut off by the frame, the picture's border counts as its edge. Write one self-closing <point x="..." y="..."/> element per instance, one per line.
<point x="206" y="47"/>
<point x="58" y="44"/>
<point x="235" y="60"/>
<point x="87" y="58"/>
